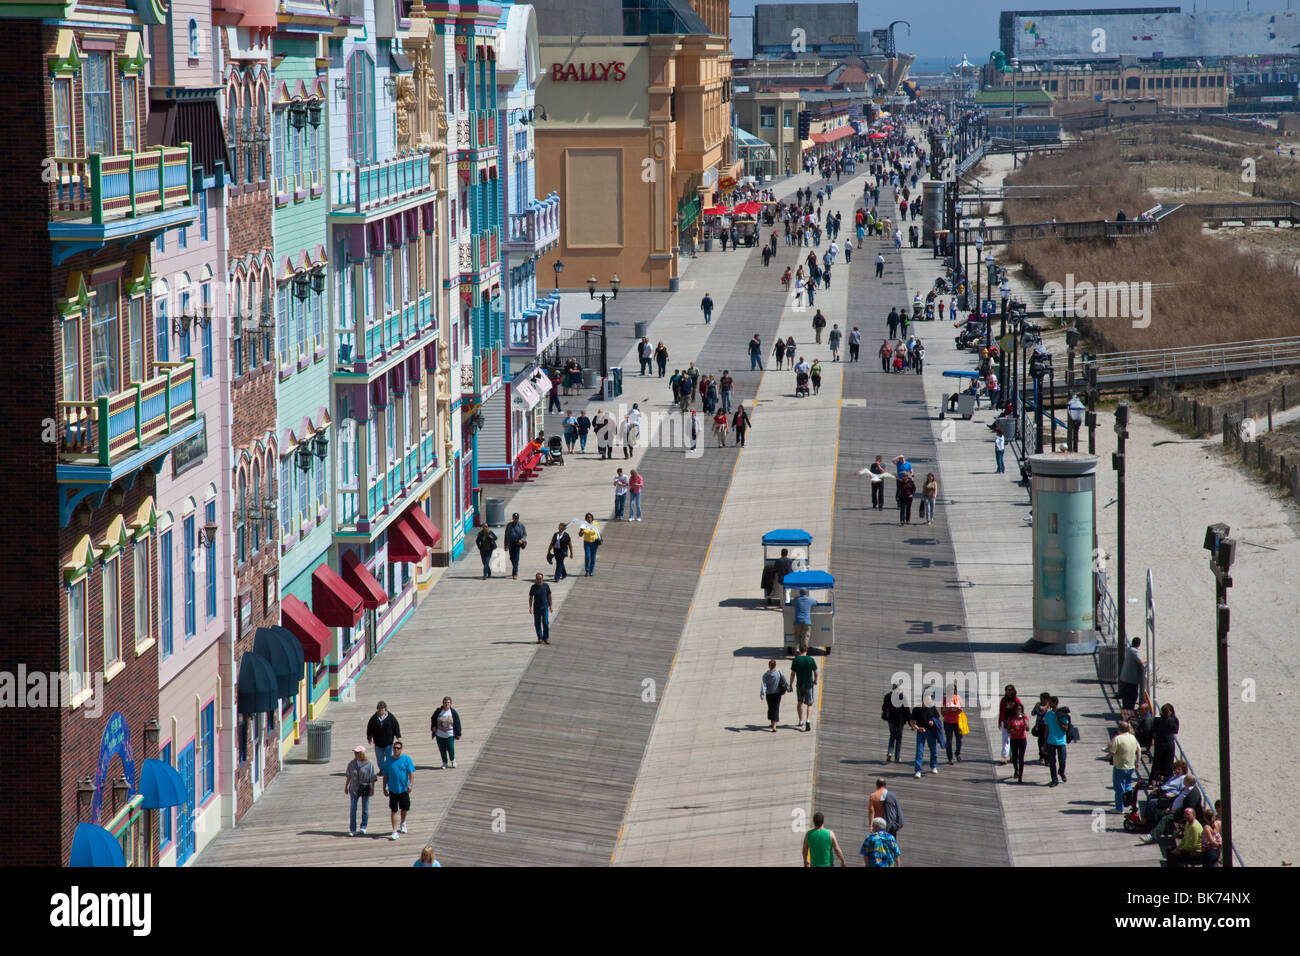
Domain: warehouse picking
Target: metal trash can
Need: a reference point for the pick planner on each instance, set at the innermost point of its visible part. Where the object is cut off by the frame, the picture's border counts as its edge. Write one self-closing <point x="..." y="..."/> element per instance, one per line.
<point x="642" y="329"/>
<point x="589" y="376"/>
<point x="319" y="736"/>
<point x="494" y="512"/>
<point x="1107" y="663"/>
<point x="708" y="243"/>
<point x="1008" y="425"/>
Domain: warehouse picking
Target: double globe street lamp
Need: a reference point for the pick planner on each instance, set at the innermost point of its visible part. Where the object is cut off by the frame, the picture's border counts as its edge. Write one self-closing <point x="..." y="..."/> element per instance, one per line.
<point x="604" y="298"/>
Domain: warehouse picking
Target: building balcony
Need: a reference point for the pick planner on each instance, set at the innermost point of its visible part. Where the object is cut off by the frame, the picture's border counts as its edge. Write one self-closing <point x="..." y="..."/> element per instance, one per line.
<point x="536" y="229"/>
<point x="388" y="340"/>
<point x="366" y="190"/>
<point x="536" y="330"/>
<point x="115" y="436"/>
<point x="98" y="199"/>
<point x="367" y="505"/>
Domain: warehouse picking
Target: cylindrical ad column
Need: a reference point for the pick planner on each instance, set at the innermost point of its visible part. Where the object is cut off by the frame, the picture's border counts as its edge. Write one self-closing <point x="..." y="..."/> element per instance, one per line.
<point x="932" y="199"/>
<point x="1063" y="490"/>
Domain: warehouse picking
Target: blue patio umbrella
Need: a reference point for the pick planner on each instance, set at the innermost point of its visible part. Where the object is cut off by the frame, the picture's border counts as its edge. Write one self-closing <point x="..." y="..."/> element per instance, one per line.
<point x="92" y="845"/>
<point x="283" y="652"/>
<point x="161" y="785"/>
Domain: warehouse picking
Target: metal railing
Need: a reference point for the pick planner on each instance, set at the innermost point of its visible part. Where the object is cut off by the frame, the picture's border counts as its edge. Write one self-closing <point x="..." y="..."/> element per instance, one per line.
<point x="107" y="428"/>
<point x="1225" y="356"/>
<point x="122" y="186"/>
<point x="367" y="186"/>
<point x="536" y="225"/>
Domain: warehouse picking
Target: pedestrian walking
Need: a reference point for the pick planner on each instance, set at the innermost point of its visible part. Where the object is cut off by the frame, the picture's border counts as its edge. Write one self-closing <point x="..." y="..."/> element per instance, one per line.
<point x="561" y="547"/>
<point x="603" y="426"/>
<point x="904" y="492"/>
<point x="620" y="494"/>
<point x="634" y="485"/>
<point x="445" y="727"/>
<point x="1005" y="706"/>
<point x="487" y="543"/>
<point x="929" y="494"/>
<point x="516" y="541"/>
<point x="1039" y="730"/>
<point x="894" y="711"/>
<point x="382" y="732"/>
<point x="570" y="426"/>
<point x="1130" y="675"/>
<point x="1056" y="727"/>
<point x="584" y="426"/>
<point x="427" y="859"/>
<point x="661" y="358"/>
<point x="540" y="605"/>
<point x="755" y="353"/>
<point x="399" y="781"/>
<point x="999" y="449"/>
<point x="855" y="343"/>
<point x="880" y="264"/>
<point x="646" y="353"/>
<point x="631" y="429"/>
<point x="359" y="785"/>
<point x="724" y="389"/>
<point x="740" y="421"/>
<point x="1016" y="731"/>
<point x="834" y="339"/>
<point x="927" y="722"/>
<point x="720" y="427"/>
<point x="706" y="306"/>
<point x="590" y="534"/>
<point x="880" y="848"/>
<point x="819" y="844"/>
<point x="778" y="352"/>
<point x="803" y="669"/>
<point x="815" y="373"/>
<point x="1123" y="749"/>
<point x="818" y="324"/>
<point x="953" y="719"/>
<point x="771" y="689"/>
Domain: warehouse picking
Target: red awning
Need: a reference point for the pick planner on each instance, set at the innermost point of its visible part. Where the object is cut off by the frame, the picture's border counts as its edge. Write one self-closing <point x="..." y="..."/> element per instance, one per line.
<point x="335" y="602"/>
<point x="316" y="639"/>
<point x="404" y="544"/>
<point x="831" y="136"/>
<point x="419" y="523"/>
<point x="363" y="582"/>
<point x="717" y="211"/>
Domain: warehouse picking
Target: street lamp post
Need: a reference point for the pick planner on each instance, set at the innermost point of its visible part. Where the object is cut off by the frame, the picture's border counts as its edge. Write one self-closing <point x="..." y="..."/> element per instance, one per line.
<point x="558" y="266"/>
<point x="979" y="255"/>
<point x="1093" y="395"/>
<point x="604" y="348"/>
<point x="1015" y="68"/>
<point x="1223" y="550"/>
<point x="1117" y="462"/>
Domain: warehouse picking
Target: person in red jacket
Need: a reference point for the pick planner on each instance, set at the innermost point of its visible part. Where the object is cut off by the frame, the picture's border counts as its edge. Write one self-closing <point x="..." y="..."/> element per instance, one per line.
<point x="1005" y="706"/>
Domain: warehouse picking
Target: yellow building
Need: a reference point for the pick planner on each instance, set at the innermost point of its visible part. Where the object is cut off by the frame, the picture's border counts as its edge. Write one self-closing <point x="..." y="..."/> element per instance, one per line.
<point x="633" y="131"/>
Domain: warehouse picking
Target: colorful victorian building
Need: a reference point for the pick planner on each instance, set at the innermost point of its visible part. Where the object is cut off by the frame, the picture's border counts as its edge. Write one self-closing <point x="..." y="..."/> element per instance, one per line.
<point x="468" y="32"/>
<point x="105" y="402"/>
<point x="383" y="248"/>
<point x="513" y="416"/>
<point x="300" y="183"/>
<point x="250" y="739"/>
<point x="189" y="265"/>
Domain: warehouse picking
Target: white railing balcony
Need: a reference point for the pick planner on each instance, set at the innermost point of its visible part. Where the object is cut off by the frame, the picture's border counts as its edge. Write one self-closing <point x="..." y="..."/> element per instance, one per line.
<point x="536" y="228"/>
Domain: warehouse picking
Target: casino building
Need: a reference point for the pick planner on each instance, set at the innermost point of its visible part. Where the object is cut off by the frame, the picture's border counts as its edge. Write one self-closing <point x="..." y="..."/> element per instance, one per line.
<point x="633" y="131"/>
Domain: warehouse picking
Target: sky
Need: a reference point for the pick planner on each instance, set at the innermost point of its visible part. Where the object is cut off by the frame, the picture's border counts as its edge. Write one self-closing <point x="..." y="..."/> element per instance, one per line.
<point x="945" y="29"/>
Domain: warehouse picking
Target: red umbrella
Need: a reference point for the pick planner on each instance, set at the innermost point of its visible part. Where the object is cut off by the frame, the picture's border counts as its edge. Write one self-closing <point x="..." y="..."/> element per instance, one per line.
<point x="718" y="211"/>
<point x="877" y="136"/>
<point x="748" y="209"/>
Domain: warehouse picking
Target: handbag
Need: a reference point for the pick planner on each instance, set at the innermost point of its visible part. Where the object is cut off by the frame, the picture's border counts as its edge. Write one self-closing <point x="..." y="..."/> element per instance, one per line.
<point x="963" y="725"/>
<point x="523" y="544"/>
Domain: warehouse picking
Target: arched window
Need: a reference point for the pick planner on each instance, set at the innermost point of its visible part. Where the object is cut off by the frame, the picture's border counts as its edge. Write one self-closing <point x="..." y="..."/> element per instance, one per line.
<point x="249" y="146"/>
<point x="194" y="39"/>
<point x="361" y="107"/>
<point x="241" y="518"/>
<point x="261" y="125"/>
<point x="237" y="349"/>
<point x="232" y="128"/>
<point x="257" y="509"/>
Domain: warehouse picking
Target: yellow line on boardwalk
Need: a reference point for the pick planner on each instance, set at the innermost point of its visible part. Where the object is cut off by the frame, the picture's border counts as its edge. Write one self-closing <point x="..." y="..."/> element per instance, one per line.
<point x="618" y="841"/>
<point x="830" y="540"/>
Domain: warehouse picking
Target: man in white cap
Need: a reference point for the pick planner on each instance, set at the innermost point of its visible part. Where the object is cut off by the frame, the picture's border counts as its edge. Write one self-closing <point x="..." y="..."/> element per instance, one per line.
<point x="359" y="784"/>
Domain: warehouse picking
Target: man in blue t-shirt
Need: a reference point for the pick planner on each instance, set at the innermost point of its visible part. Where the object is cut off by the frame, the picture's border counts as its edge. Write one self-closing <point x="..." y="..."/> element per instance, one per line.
<point x="803" y="605"/>
<point x="1057" y="725"/>
<point x="399" y="781"/>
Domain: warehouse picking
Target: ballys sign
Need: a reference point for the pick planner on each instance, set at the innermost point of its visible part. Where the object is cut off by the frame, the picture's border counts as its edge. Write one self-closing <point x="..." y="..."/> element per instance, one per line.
<point x="588" y="72"/>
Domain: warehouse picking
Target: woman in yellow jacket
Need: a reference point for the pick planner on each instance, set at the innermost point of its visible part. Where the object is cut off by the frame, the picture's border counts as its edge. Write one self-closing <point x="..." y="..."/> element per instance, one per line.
<point x="954" y="723"/>
<point x="590" y="534"/>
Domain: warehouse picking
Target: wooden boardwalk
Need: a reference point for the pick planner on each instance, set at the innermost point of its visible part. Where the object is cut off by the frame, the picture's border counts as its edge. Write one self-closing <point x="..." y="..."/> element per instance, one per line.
<point x="899" y="606"/>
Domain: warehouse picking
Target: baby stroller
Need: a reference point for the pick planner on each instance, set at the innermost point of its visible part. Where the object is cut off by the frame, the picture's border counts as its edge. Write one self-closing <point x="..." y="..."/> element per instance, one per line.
<point x="801" y="385"/>
<point x="555" y="445"/>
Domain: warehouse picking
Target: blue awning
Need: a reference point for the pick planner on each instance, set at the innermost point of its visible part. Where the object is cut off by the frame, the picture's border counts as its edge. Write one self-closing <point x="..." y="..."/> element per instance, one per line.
<point x="787" y="536"/>
<point x="812" y="580"/>
<point x="961" y="374"/>
<point x="257" y="685"/>
<point x="161" y="785"/>
<point x="92" y="845"/>
<point x="283" y="652"/>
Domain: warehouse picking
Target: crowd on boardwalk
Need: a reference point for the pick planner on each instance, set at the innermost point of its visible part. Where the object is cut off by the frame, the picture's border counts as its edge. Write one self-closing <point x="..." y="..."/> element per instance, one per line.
<point x="937" y="720"/>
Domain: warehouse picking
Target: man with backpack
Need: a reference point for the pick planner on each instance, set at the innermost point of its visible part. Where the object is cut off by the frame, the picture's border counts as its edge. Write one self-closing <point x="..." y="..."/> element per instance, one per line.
<point x="772" y="688"/>
<point x="818" y="324"/>
<point x="896" y="713"/>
